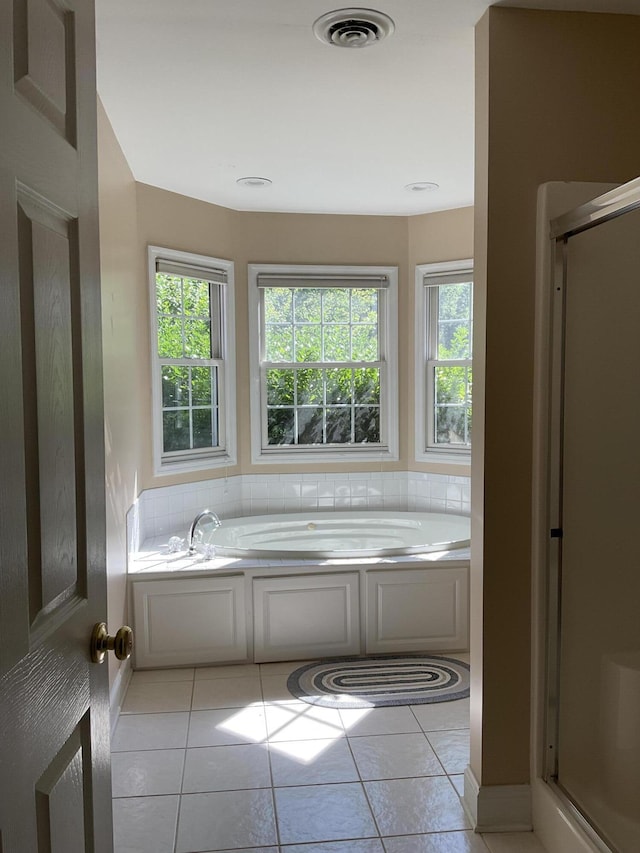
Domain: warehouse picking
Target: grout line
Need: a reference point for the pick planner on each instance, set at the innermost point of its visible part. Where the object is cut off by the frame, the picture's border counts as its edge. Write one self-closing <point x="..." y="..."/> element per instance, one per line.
<point x="364" y="787"/>
<point x="266" y="745"/>
<point x="145" y="796"/>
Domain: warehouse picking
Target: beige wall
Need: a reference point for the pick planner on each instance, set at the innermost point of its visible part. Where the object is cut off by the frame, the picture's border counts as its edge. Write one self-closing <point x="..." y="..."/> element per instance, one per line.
<point x="170" y="220"/>
<point x="556" y="100"/>
<point x="121" y="359"/>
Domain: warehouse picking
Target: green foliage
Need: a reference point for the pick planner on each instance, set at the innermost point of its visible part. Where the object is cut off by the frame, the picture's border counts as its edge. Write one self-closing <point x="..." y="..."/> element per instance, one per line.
<point x="322" y="405"/>
<point x="184" y="317"/>
<point x="333" y="406"/>
<point x="304" y="324"/>
<point x="453" y="383"/>
<point x="189" y="393"/>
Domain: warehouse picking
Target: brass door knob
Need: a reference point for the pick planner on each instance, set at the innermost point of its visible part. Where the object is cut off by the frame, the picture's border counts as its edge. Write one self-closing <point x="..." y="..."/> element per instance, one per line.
<point x="101" y="642"/>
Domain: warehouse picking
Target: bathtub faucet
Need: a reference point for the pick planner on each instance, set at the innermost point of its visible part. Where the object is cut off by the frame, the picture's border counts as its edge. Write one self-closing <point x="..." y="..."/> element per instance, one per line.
<point x="206" y="513"/>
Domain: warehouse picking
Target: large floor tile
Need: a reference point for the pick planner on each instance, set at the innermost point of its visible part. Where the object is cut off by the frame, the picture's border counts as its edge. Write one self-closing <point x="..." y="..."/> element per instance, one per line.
<point x="312" y="762"/>
<point x="240" y="670"/>
<point x="274" y="688"/>
<point x="394" y="756"/>
<point x="512" y="842"/>
<point x="144" y="824"/>
<point x="438" y="716"/>
<point x="151" y="772"/>
<point x="379" y="721"/>
<point x="146" y="676"/>
<point x="458" y="783"/>
<point x="452" y="748"/>
<point x="323" y="813"/>
<point x="150" y="731"/>
<point x="226" y="820"/>
<point x="364" y="845"/>
<point x="155" y="697"/>
<point x="226" y="768"/>
<point x="226" y="693"/>
<point x="404" y="806"/>
<point x="437" y="842"/>
<point x="299" y="721"/>
<point x="227" y="726"/>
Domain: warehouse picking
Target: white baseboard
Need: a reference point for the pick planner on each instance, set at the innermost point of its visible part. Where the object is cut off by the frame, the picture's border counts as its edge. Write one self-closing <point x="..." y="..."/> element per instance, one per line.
<point x="118" y="690"/>
<point x="497" y="808"/>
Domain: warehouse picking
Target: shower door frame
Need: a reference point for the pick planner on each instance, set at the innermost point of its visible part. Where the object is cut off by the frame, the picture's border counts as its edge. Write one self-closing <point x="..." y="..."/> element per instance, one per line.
<point x="604" y="208"/>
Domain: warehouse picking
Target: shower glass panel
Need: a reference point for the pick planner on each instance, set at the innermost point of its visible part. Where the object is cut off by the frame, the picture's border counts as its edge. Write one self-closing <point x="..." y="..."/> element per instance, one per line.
<point x="598" y="709"/>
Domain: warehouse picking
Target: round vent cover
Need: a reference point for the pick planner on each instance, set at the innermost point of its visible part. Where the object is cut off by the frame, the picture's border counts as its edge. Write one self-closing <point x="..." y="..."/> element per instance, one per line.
<point x="353" y="27"/>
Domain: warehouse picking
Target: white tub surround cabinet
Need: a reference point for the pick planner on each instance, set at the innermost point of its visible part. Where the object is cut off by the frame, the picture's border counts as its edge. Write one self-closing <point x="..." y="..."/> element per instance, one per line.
<point x="304" y="616"/>
<point x="417" y="610"/>
<point x="190" y="621"/>
<point x="190" y="611"/>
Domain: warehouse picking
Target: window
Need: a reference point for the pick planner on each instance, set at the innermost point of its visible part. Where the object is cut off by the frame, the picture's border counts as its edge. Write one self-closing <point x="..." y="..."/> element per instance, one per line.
<point x="192" y="353"/>
<point x="444" y="317"/>
<point x="324" y="362"/>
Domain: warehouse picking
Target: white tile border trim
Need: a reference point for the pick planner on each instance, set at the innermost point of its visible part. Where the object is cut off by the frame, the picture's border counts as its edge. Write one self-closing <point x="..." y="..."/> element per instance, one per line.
<point x="497" y="808"/>
<point x="169" y="508"/>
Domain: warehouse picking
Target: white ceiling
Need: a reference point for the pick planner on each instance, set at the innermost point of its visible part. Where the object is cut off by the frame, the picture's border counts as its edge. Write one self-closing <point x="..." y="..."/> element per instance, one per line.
<point x="202" y="92"/>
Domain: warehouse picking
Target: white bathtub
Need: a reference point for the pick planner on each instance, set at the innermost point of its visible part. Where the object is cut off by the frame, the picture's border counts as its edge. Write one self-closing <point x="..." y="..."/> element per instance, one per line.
<point x="338" y="534"/>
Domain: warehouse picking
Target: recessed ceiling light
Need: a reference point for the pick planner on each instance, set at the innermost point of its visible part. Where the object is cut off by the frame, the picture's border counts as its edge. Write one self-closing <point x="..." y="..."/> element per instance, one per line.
<point x="254" y="182"/>
<point x="353" y="27"/>
<point x="422" y="186"/>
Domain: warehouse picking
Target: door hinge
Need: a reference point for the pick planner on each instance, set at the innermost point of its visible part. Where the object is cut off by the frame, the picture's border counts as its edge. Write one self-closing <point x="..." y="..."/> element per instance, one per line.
<point x="556" y="533"/>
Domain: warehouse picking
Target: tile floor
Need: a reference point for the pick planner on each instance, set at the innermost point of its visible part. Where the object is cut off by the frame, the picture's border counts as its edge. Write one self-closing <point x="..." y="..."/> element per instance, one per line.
<point x="225" y="759"/>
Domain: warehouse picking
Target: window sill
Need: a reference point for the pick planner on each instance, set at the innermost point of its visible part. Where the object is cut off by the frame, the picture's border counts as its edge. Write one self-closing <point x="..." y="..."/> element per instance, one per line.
<point x="444" y="457"/>
<point x="203" y="463"/>
<point x="278" y="457"/>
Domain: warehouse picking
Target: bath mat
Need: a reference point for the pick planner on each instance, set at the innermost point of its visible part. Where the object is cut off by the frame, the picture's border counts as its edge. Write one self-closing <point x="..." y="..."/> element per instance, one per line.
<point x="374" y="682"/>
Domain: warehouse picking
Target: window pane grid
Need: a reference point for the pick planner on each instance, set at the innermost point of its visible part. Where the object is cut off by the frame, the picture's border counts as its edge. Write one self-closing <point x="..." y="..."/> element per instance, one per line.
<point x="449" y="371"/>
<point x="323" y="370"/>
<point x="188" y="376"/>
<point x="184" y="317"/>
<point x="453" y="406"/>
<point x="190" y="408"/>
<point x="325" y="325"/>
<point x="318" y="405"/>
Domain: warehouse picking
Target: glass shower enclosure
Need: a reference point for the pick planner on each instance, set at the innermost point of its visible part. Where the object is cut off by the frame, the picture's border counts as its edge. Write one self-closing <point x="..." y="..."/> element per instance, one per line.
<point x="593" y="669"/>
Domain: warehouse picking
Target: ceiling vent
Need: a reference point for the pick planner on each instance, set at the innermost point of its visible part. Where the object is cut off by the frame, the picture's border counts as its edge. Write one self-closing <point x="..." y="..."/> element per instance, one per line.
<point x="353" y="27"/>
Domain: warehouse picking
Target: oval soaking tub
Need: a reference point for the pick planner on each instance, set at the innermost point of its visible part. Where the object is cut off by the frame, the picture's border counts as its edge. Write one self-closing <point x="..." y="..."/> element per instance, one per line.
<point x="325" y="535"/>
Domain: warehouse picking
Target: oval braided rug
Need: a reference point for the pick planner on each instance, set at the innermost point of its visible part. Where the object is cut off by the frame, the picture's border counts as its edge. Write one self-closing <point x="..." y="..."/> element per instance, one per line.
<point x="372" y="682"/>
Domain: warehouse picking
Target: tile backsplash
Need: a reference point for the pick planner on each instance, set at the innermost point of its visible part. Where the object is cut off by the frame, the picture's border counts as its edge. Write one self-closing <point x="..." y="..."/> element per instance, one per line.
<point x="171" y="509"/>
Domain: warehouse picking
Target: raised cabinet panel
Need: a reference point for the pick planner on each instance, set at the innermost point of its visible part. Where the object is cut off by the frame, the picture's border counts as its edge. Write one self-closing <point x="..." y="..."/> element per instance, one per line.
<point x="189" y="621"/>
<point x="417" y="610"/>
<point x="309" y="616"/>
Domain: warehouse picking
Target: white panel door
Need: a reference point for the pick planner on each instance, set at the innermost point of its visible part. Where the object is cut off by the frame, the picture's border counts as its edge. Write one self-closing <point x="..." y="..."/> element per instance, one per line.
<point x="417" y="610"/>
<point x="304" y="617"/>
<point x="190" y="621"/>
<point x="54" y="737"/>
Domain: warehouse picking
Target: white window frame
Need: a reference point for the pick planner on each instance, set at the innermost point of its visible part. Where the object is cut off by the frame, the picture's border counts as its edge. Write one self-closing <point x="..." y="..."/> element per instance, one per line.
<point x="425" y="448"/>
<point x="225" y="453"/>
<point x="388" y="450"/>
